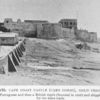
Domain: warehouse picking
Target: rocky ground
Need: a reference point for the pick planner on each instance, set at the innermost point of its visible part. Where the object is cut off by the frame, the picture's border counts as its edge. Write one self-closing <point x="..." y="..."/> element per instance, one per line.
<point x="56" y="62"/>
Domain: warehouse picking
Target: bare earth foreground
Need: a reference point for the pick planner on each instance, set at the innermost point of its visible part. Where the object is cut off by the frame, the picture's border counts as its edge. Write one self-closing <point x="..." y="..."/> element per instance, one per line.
<point x="56" y="62"/>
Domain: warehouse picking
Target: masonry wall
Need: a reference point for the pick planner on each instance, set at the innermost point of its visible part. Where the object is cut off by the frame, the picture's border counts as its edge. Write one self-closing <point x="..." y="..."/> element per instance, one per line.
<point x="68" y="33"/>
<point x="86" y="36"/>
<point x="29" y="30"/>
<point x="49" y="31"/>
<point x="54" y="31"/>
<point x="93" y="36"/>
<point x="24" y="29"/>
<point x="39" y="30"/>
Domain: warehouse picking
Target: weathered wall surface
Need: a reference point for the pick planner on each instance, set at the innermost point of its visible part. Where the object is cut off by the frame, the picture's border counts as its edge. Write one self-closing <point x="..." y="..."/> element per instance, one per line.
<point x="93" y="36"/>
<point x="28" y="30"/>
<point x="24" y="29"/>
<point x="39" y="30"/>
<point x="68" y="33"/>
<point x="54" y="30"/>
<point x="84" y="35"/>
<point x="49" y="31"/>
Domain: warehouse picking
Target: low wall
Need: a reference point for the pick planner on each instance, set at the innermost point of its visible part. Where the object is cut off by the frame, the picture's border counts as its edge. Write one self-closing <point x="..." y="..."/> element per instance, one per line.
<point x="10" y="61"/>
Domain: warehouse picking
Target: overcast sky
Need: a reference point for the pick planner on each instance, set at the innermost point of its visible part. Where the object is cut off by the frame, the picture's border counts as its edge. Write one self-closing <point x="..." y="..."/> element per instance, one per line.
<point x="86" y="11"/>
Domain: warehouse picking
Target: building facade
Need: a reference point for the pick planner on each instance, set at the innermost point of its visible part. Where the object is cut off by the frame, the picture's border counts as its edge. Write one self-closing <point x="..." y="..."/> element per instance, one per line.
<point x="8" y="38"/>
<point x="86" y="36"/>
<point x="69" y="23"/>
<point x="23" y="28"/>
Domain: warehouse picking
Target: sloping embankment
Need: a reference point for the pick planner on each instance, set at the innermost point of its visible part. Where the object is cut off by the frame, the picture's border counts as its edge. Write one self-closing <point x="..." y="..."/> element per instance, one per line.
<point x="51" y="62"/>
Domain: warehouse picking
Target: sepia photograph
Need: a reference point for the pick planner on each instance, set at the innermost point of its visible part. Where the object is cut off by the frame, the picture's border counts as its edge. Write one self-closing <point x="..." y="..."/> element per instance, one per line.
<point x="50" y="42"/>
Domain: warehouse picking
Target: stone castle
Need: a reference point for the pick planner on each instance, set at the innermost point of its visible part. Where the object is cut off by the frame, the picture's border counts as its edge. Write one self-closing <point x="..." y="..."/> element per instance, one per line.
<point x="65" y="28"/>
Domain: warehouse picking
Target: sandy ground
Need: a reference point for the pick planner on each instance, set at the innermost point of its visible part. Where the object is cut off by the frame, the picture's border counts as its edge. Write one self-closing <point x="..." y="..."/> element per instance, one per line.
<point x="56" y="62"/>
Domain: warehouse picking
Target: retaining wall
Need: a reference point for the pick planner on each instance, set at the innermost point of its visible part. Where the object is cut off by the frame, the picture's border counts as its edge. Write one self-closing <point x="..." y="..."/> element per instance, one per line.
<point x="10" y="61"/>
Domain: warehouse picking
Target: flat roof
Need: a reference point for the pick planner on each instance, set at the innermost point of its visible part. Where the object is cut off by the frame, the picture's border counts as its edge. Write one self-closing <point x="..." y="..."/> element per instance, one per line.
<point x="36" y="21"/>
<point x="74" y="20"/>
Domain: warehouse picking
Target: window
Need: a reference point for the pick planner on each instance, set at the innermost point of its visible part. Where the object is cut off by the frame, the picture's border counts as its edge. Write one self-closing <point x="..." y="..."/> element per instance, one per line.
<point x="66" y="23"/>
<point x="71" y="23"/>
<point x="7" y="21"/>
<point x="3" y="39"/>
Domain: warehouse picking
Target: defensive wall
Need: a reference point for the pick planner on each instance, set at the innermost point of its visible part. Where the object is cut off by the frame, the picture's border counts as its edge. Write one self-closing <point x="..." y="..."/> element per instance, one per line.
<point x="54" y="31"/>
<point x="84" y="35"/>
<point x="66" y="28"/>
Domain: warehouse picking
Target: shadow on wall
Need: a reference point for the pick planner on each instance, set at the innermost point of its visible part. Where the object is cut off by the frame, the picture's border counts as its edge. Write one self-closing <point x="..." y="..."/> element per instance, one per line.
<point x="31" y="34"/>
<point x="24" y="33"/>
<point x="3" y="29"/>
